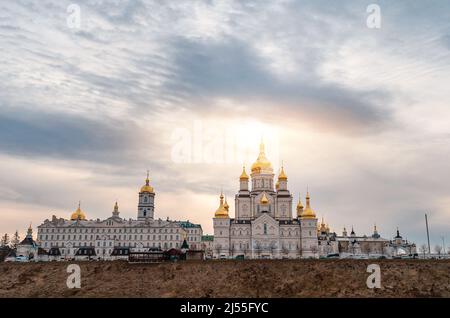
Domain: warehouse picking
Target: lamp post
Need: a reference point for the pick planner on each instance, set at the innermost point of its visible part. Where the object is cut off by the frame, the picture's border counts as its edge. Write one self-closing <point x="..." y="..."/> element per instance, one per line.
<point x="428" y="234"/>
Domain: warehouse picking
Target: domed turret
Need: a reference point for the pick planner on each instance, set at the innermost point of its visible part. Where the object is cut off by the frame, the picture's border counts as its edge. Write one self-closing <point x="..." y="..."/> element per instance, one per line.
<point x="262" y="165"/>
<point x="308" y="213"/>
<point x="226" y="206"/>
<point x="221" y="211"/>
<point x="78" y="214"/>
<point x="299" y="207"/>
<point x="147" y="187"/>
<point x="282" y="176"/>
<point x="244" y="175"/>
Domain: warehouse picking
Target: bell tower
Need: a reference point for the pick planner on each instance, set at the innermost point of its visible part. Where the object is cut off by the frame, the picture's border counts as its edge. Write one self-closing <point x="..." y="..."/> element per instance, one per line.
<point x="146" y="206"/>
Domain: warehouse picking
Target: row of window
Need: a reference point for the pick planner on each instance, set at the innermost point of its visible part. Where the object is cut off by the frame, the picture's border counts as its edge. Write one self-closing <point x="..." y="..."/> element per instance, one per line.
<point x="243" y="246"/>
<point x="97" y="230"/>
<point x="110" y="244"/>
<point x="79" y="237"/>
<point x="141" y="237"/>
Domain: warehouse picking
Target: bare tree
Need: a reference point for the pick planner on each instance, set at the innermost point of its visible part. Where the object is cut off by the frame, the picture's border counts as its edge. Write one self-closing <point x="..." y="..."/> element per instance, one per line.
<point x="284" y="250"/>
<point x="245" y="249"/>
<point x="386" y="250"/>
<point x="365" y="249"/>
<point x="299" y="250"/>
<point x="314" y="249"/>
<point x="353" y="248"/>
<point x="218" y="249"/>
<point x="15" y="240"/>
<point x="272" y="247"/>
<point x="438" y="250"/>
<point x="232" y="249"/>
<point x="4" y="242"/>
<point x="258" y="248"/>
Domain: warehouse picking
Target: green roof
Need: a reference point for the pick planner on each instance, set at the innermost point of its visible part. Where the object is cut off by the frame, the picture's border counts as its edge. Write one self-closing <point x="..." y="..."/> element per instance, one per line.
<point x="187" y="224"/>
<point x="208" y="238"/>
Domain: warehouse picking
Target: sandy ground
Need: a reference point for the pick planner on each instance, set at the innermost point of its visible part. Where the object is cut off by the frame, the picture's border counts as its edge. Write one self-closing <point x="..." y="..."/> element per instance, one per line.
<point x="258" y="278"/>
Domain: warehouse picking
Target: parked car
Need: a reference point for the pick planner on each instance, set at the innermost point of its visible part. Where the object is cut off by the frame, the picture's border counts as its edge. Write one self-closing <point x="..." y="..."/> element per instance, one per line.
<point x="21" y="259"/>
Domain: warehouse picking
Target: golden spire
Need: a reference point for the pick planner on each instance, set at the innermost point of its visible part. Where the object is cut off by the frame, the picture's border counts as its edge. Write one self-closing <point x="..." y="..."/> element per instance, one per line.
<point x="262" y="164"/>
<point x="147" y="187"/>
<point x="116" y="207"/>
<point x="30" y="230"/>
<point x="244" y="175"/>
<point x="78" y="214"/>
<point x="264" y="199"/>
<point x="282" y="176"/>
<point x="308" y="213"/>
<point x="221" y="211"/>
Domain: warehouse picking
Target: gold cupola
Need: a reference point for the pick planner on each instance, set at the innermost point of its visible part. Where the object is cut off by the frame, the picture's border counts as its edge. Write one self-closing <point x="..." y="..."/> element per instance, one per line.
<point x="244" y="175"/>
<point x="30" y="231"/>
<point x="282" y="176"/>
<point x="226" y="206"/>
<point x="264" y="200"/>
<point x="308" y="213"/>
<point x="299" y="207"/>
<point x="221" y="211"/>
<point x="322" y="227"/>
<point x="262" y="165"/>
<point x="78" y="214"/>
<point x="147" y="187"/>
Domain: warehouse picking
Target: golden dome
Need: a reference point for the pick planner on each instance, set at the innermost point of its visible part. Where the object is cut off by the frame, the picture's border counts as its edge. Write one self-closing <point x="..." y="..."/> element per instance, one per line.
<point x="225" y="205"/>
<point x="244" y="175"/>
<point x="282" y="176"/>
<point x="322" y="227"/>
<point x="308" y="213"/>
<point x="264" y="199"/>
<point x="78" y="214"/>
<point x="221" y="211"/>
<point x="262" y="164"/>
<point x="299" y="207"/>
<point x="147" y="187"/>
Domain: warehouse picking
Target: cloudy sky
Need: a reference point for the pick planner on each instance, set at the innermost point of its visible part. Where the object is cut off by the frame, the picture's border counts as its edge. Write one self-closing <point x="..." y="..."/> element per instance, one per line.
<point x="187" y="89"/>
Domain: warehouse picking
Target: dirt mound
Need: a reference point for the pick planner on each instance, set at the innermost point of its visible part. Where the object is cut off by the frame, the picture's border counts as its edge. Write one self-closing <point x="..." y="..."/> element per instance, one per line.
<point x="257" y="278"/>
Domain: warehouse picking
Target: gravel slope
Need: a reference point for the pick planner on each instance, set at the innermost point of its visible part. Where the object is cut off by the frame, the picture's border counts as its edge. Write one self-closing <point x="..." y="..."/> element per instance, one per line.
<point x="258" y="278"/>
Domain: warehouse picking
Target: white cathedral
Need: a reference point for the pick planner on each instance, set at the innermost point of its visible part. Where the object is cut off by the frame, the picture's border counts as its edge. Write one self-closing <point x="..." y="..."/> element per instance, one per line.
<point x="264" y="225"/>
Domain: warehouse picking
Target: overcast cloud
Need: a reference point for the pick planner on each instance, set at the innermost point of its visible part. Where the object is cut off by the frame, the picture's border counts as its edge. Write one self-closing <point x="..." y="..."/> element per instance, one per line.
<point x="362" y="114"/>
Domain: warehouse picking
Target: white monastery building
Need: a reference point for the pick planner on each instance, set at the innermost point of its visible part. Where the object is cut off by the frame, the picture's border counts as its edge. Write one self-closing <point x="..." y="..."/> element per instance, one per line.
<point x="103" y="239"/>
